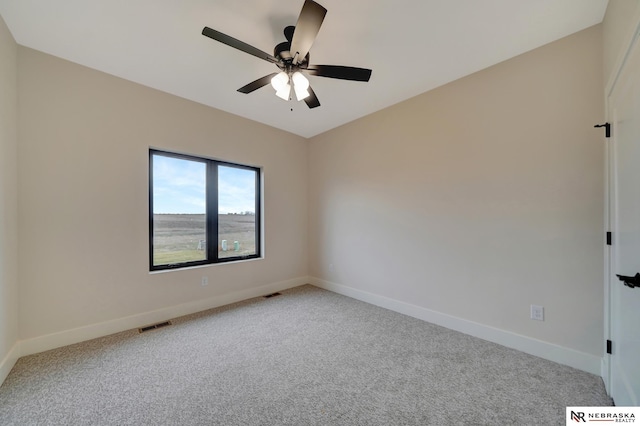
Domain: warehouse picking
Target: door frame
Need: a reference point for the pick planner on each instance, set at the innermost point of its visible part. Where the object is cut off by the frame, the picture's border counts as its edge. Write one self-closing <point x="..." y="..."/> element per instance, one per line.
<point x="631" y="39"/>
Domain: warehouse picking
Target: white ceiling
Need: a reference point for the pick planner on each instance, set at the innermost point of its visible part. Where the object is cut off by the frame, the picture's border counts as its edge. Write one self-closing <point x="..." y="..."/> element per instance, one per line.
<point x="412" y="46"/>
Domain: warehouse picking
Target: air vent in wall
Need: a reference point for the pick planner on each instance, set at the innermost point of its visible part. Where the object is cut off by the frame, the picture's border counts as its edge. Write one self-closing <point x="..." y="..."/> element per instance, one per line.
<point x="154" y="326"/>
<point x="271" y="295"/>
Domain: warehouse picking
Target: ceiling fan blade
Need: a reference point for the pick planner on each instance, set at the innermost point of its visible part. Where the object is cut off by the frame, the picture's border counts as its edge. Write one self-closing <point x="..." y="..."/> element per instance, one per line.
<point x="340" y="72"/>
<point x="309" y="22"/>
<point x="237" y="44"/>
<point x="255" y="85"/>
<point x="312" y="100"/>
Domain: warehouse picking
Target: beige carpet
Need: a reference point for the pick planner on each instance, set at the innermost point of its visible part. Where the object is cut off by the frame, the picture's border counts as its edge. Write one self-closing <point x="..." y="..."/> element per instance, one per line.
<point x="307" y="357"/>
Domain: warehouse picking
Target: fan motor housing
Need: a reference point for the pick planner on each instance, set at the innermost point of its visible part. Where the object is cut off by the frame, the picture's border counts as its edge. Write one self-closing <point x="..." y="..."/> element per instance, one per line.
<point x="283" y="51"/>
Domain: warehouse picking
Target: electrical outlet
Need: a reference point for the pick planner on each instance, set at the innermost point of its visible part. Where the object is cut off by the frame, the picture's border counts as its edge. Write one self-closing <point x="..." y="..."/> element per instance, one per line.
<point x="331" y="268"/>
<point x="205" y="281"/>
<point x="537" y="313"/>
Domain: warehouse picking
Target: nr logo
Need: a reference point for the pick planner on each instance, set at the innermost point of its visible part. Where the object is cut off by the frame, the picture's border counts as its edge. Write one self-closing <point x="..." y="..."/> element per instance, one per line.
<point x="576" y="417"/>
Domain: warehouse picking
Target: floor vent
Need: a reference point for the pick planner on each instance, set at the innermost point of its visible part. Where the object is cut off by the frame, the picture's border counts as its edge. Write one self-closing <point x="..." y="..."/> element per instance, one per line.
<point x="271" y="295"/>
<point x="154" y="326"/>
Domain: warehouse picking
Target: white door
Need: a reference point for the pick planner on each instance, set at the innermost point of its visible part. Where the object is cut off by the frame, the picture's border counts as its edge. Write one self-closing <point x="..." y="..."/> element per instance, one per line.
<point x="624" y="192"/>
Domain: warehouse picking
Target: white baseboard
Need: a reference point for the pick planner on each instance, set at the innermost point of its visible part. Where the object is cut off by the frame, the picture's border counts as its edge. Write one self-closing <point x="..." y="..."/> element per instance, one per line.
<point x="562" y="355"/>
<point x="80" y="334"/>
<point x="9" y="361"/>
<point x="606" y="376"/>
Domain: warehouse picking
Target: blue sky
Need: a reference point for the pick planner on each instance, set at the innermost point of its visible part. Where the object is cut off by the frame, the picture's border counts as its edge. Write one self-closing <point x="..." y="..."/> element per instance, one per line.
<point x="179" y="187"/>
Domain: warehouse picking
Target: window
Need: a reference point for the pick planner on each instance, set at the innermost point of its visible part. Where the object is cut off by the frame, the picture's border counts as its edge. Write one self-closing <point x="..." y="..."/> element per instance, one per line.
<point x="201" y="211"/>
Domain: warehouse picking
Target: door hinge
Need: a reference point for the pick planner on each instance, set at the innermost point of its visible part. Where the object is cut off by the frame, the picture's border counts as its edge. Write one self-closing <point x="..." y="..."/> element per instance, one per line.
<point x="609" y="345"/>
<point x="607" y="129"/>
<point x="608" y="238"/>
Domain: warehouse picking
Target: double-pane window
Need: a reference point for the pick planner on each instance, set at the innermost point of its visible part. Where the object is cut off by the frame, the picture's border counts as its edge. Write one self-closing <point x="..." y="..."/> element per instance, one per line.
<point x="201" y="211"/>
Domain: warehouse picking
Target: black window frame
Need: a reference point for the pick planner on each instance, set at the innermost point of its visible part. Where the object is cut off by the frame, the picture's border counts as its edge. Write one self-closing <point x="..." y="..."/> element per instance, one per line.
<point x="211" y="211"/>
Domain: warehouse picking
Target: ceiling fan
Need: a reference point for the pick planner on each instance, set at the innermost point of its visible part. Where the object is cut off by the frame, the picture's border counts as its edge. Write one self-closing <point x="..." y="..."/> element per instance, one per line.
<point x="292" y="57"/>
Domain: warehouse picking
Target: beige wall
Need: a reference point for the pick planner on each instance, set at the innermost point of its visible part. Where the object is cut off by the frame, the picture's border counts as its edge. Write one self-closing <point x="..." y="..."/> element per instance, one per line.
<point x="83" y="183"/>
<point x="8" y="197"/>
<point x="476" y="199"/>
<point x="619" y="22"/>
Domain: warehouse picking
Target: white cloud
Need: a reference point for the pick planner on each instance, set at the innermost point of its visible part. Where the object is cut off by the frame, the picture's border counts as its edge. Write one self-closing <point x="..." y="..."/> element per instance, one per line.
<point x="178" y="186"/>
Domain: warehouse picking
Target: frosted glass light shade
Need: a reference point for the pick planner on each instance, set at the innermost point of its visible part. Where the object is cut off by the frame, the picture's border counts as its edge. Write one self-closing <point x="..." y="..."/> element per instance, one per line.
<point x="284" y="92"/>
<point x="300" y="85"/>
<point x="279" y="81"/>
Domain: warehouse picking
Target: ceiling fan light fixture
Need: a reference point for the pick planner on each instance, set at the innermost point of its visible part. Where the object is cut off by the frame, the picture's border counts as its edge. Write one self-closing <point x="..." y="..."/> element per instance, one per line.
<point x="279" y="81"/>
<point x="292" y="56"/>
<point x="300" y="85"/>
<point x="301" y="94"/>
<point x="284" y="92"/>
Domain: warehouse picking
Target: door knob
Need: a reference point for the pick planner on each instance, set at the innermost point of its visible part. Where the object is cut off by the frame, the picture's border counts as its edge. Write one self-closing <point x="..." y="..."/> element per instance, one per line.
<point x="631" y="282"/>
